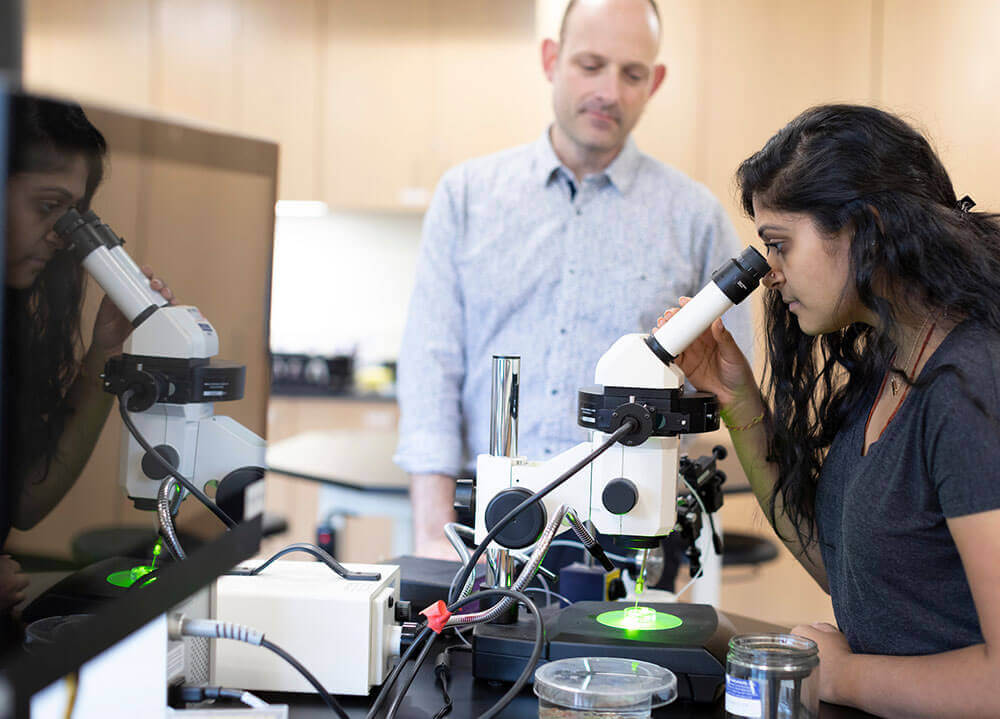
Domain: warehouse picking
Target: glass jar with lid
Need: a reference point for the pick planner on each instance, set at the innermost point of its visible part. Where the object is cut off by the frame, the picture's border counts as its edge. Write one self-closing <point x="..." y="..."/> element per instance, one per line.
<point x="772" y="676"/>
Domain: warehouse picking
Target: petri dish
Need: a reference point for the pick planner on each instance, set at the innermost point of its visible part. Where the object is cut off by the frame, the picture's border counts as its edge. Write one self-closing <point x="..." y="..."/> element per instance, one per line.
<point x="602" y="688"/>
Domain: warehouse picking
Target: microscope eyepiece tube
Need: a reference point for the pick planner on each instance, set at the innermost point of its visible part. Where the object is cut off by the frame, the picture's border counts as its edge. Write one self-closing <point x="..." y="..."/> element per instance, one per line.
<point x="127" y="294"/>
<point x="730" y="285"/>
<point x="114" y="243"/>
<point x="503" y="405"/>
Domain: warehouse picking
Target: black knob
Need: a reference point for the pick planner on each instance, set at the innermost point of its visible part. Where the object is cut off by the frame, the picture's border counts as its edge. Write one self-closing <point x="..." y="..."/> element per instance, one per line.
<point x="465" y="494"/>
<point x="524" y="528"/>
<point x="153" y="468"/>
<point x="619" y="496"/>
<point x="404" y="611"/>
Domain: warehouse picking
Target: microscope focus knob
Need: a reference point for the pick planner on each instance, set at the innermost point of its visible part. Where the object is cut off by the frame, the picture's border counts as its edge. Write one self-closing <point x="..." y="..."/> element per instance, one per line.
<point x="522" y="530"/>
<point x="152" y="467"/>
<point x="619" y="496"/>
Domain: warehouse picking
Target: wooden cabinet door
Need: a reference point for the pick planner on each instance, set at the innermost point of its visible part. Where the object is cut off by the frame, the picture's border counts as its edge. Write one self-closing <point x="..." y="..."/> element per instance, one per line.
<point x="940" y="71"/>
<point x="194" y="67"/>
<point x="279" y="87"/>
<point x="376" y="114"/>
<point x="98" y="50"/>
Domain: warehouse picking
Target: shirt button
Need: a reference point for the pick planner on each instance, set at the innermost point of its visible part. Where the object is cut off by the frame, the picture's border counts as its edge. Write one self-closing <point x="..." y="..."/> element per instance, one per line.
<point x="562" y="331"/>
<point x="572" y="271"/>
<point x="579" y="211"/>
<point x="555" y="391"/>
<point x="548" y="451"/>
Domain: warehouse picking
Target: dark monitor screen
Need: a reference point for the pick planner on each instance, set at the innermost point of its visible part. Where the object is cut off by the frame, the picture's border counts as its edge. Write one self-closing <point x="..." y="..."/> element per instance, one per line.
<point x="197" y="206"/>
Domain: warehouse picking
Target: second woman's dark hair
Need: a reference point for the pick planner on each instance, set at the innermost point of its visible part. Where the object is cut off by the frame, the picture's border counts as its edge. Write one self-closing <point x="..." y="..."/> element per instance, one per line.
<point x="42" y="332"/>
<point x="866" y="170"/>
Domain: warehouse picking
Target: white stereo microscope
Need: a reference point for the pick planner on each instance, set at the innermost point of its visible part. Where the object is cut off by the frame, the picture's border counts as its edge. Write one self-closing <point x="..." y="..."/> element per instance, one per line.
<point x="168" y="380"/>
<point x="629" y="491"/>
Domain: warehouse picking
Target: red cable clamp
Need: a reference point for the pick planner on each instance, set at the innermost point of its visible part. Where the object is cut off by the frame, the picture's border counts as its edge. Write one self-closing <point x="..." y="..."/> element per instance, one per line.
<point x="437" y="615"/>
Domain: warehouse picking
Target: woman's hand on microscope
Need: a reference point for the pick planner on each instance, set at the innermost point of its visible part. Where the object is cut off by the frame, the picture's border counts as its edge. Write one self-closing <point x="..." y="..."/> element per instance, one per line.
<point x="112" y="328"/>
<point x="714" y="363"/>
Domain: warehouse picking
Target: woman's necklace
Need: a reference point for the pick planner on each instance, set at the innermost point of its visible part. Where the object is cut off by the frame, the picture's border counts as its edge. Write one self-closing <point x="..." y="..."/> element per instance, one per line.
<point x="895" y="383"/>
<point x="892" y="379"/>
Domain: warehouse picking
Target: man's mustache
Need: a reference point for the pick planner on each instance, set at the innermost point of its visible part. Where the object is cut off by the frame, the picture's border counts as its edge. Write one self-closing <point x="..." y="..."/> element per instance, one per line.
<point x="612" y="110"/>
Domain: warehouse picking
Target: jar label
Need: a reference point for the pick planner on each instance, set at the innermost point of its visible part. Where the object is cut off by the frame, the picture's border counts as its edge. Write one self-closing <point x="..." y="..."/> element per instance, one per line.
<point x="743" y="697"/>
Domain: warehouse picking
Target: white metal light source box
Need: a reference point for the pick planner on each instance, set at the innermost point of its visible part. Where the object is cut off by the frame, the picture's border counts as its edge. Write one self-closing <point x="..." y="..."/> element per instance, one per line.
<point x="343" y="631"/>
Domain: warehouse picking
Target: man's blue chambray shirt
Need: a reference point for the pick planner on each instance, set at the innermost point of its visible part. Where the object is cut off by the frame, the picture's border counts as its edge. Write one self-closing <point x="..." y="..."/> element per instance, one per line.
<point x="518" y="258"/>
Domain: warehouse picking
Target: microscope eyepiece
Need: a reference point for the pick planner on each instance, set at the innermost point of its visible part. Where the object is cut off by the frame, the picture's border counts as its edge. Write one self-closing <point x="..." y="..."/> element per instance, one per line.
<point x="77" y="233"/>
<point x="740" y="275"/>
<point x="730" y="285"/>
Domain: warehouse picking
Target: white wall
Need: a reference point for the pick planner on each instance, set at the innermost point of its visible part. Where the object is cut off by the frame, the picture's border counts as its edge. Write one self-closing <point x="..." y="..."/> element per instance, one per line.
<point x="343" y="281"/>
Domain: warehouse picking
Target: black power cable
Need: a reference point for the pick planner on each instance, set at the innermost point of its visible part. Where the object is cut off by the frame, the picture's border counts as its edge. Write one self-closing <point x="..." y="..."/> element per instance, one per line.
<point x="167" y="466"/>
<point x="391" y="679"/>
<point x="327" y="698"/>
<point x="397" y="702"/>
<point x="536" y="651"/>
<point x="526" y="673"/>
<point x="442" y="672"/>
<point x="628" y="426"/>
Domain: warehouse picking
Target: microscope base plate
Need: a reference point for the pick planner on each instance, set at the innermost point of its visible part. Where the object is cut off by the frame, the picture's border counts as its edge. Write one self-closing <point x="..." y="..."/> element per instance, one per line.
<point x="695" y="651"/>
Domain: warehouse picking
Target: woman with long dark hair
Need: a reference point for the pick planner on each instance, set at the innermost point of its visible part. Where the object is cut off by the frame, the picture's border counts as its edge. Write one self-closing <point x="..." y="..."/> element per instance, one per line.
<point x="874" y="447"/>
<point x="56" y="405"/>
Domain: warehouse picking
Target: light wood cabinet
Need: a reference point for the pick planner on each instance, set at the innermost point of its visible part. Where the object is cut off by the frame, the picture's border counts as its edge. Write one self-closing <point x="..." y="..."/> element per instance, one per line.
<point x="372" y="101"/>
<point x="488" y="89"/>
<point x="280" y="87"/>
<point x="194" y="60"/>
<point x="765" y="61"/>
<point x="669" y="129"/>
<point x="100" y="50"/>
<point x="247" y="66"/>
<point x="376" y="150"/>
<point x="941" y="71"/>
<point x="413" y="87"/>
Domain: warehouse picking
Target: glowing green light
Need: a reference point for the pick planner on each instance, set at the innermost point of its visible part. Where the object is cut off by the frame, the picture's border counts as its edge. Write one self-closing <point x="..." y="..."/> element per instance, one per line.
<point x="127" y="577"/>
<point x="639" y="619"/>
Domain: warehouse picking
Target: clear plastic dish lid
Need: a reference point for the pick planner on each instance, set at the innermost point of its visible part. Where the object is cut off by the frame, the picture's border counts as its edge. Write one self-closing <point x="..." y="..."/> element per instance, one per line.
<point x="604" y="683"/>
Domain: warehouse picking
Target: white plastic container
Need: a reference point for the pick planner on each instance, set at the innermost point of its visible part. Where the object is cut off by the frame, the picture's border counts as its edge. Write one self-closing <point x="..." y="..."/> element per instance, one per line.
<point x="602" y="688"/>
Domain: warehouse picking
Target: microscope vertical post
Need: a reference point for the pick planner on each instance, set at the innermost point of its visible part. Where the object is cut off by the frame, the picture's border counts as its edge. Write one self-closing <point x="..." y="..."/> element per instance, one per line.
<point x="503" y="443"/>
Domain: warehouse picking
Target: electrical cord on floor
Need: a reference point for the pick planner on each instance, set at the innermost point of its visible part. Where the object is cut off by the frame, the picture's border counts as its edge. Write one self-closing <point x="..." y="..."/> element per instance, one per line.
<point x="181" y="626"/>
<point x="628" y="426"/>
<point x="167" y="466"/>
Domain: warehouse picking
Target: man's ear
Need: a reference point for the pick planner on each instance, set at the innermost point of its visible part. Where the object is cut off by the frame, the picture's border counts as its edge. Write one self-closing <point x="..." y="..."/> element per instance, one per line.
<point x="659" y="75"/>
<point x="550" y="53"/>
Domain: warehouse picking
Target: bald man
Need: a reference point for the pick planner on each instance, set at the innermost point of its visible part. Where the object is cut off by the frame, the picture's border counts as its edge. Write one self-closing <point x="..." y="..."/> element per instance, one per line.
<point x="550" y="251"/>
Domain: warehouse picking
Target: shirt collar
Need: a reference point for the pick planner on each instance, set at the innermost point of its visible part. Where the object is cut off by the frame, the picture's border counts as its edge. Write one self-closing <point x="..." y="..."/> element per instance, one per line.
<point x="621" y="172"/>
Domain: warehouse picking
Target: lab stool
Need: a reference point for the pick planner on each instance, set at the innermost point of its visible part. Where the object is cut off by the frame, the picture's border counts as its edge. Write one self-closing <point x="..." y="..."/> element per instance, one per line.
<point x="747" y="549"/>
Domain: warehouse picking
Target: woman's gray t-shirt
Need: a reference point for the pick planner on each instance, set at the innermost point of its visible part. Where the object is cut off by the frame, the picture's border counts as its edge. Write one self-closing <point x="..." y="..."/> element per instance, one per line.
<point x="895" y="575"/>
